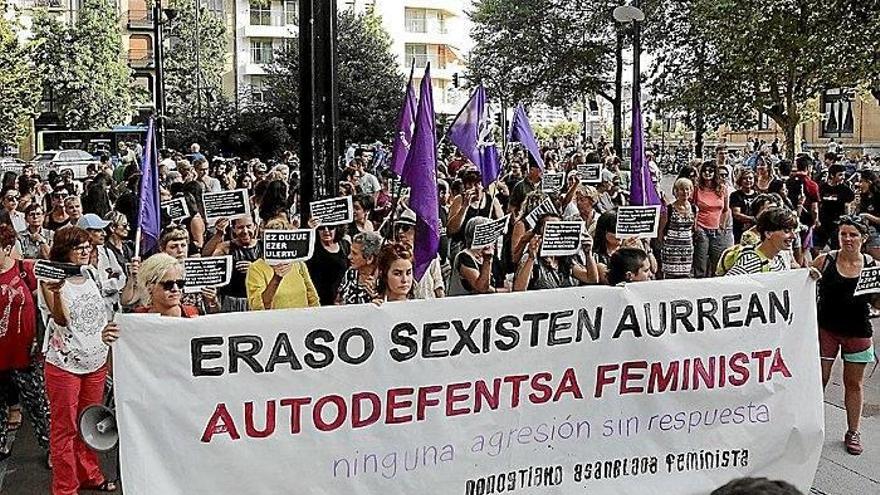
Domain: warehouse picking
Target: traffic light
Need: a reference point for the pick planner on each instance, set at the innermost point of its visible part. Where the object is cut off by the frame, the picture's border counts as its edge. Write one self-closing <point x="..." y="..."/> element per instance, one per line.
<point x="499" y="121"/>
<point x="455" y="79"/>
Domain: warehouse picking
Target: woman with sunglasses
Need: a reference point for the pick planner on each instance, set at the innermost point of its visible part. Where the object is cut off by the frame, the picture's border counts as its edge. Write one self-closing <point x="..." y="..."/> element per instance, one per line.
<point x="844" y="324"/>
<point x="57" y="216"/>
<point x="10" y="206"/>
<point x="713" y="213"/>
<point x="329" y="261"/>
<point x="76" y="363"/>
<point x="160" y="283"/>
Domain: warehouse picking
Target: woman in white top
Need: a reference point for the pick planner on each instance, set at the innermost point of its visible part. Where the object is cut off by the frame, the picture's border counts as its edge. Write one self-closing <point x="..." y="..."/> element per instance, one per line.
<point x="76" y="363"/>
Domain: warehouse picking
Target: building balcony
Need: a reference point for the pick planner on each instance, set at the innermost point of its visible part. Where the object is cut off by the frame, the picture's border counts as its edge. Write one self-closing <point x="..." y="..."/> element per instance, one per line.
<point x="264" y="24"/>
<point x="252" y="69"/>
<point x="140" y="59"/>
<point x="140" y="19"/>
<point x="46" y="4"/>
<point x="449" y="6"/>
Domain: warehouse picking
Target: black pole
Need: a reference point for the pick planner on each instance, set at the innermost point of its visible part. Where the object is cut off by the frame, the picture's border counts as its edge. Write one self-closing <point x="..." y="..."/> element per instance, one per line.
<point x="199" y="60"/>
<point x="637" y="70"/>
<point x="159" y="83"/>
<point x="325" y="95"/>
<point x="306" y="97"/>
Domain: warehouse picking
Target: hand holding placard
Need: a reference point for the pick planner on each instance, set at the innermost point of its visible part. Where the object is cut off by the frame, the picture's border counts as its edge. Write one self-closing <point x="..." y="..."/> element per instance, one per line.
<point x="638" y="221"/>
<point x="869" y="281"/>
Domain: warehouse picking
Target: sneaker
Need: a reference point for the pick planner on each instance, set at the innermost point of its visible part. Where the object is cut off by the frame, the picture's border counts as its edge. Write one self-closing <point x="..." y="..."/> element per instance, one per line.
<point x="853" y="442"/>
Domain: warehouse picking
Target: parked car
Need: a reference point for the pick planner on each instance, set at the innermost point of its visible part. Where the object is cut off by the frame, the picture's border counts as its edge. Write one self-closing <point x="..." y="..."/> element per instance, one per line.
<point x="11" y="164"/>
<point x="58" y="160"/>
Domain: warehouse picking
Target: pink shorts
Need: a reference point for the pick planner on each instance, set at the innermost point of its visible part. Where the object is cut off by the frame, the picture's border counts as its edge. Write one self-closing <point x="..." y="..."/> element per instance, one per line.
<point x="852" y="349"/>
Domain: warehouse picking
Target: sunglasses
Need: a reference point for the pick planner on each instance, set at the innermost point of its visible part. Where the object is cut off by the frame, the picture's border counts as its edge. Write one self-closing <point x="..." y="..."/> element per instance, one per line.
<point x="169" y="284"/>
<point x="325" y="228"/>
<point x="11" y="197"/>
<point x="404" y="228"/>
<point x="59" y="195"/>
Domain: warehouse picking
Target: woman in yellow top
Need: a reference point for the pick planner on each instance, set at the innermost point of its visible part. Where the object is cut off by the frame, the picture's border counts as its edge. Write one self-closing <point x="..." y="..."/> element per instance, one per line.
<point x="282" y="286"/>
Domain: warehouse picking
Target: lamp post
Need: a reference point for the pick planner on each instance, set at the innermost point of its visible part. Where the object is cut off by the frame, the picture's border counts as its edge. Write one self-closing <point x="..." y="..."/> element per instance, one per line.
<point x="159" y="48"/>
<point x="633" y="14"/>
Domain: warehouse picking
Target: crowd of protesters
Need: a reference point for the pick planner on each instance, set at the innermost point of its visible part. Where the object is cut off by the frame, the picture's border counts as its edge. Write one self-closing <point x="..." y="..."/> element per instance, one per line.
<point x="723" y="216"/>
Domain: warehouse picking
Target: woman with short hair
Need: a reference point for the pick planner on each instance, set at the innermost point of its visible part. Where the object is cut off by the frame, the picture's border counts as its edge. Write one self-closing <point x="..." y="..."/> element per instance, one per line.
<point x="777" y="227"/>
<point x="358" y="284"/>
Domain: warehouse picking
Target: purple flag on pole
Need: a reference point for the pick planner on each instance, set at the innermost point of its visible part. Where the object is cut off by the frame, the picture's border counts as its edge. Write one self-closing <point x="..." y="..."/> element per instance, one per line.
<point x="642" y="191"/>
<point x="405" y="124"/>
<point x="420" y="174"/>
<point x="521" y="132"/>
<point x="471" y="131"/>
<point x="149" y="218"/>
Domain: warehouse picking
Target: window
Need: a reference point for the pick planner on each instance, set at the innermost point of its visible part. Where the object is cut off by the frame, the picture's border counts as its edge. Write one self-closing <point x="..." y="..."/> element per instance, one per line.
<point x="417" y="52"/>
<point x="838" y="113"/>
<point x="258" y="88"/>
<point x="416" y="20"/>
<point x="261" y="51"/>
<point x="291" y="16"/>
<point x="763" y="122"/>
<point x="215" y="5"/>
<point x="261" y="14"/>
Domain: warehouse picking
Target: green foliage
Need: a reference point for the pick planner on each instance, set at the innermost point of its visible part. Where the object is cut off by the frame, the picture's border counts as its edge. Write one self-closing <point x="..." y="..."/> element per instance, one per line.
<point x="19" y="83"/>
<point x="563" y="129"/>
<point x="769" y="56"/>
<point x="370" y="87"/>
<point x="194" y="65"/>
<point x="84" y="67"/>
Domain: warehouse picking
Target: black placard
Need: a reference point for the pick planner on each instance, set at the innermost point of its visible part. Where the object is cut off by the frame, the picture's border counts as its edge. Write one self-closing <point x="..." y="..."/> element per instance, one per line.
<point x="869" y="281"/>
<point x="283" y="246"/>
<point x="638" y="221"/>
<point x="561" y="238"/>
<point x="590" y="173"/>
<point x="333" y="211"/>
<point x="226" y="204"/>
<point x="543" y="208"/>
<point x="552" y="182"/>
<point x="488" y="233"/>
<point x="176" y="209"/>
<point x="214" y="271"/>
<point x="51" y="270"/>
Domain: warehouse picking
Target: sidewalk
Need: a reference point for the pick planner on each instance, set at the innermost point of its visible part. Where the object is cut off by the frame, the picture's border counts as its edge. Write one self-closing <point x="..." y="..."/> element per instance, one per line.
<point x="840" y="473"/>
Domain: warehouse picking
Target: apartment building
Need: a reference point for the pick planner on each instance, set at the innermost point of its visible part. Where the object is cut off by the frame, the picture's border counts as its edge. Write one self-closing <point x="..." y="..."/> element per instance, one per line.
<point x="260" y="30"/>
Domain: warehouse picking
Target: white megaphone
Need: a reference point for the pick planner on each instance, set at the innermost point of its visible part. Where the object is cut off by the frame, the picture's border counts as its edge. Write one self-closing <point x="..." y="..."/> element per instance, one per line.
<point x="97" y="426"/>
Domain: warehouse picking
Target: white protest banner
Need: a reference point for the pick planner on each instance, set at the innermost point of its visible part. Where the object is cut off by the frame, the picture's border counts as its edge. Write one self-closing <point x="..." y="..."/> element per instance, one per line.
<point x="561" y="238"/>
<point x="226" y="204"/>
<point x="678" y="385"/>
<point x="869" y="281"/>
<point x="176" y="209"/>
<point x="552" y="182"/>
<point x="214" y="271"/>
<point x="543" y="208"/>
<point x="590" y="173"/>
<point x="333" y="211"/>
<point x="638" y="221"/>
<point x="488" y="233"/>
<point x="284" y="246"/>
<point x="54" y="270"/>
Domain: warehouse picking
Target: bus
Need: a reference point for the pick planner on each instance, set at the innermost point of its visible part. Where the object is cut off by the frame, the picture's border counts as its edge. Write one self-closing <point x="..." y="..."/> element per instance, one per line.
<point x="94" y="142"/>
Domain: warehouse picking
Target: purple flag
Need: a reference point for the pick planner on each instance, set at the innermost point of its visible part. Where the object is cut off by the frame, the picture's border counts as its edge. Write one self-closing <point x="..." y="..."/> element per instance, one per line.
<point x="149" y="218"/>
<point x="642" y="191"/>
<point x="471" y="131"/>
<point x="521" y="132"/>
<point x="420" y="174"/>
<point x="404" y="129"/>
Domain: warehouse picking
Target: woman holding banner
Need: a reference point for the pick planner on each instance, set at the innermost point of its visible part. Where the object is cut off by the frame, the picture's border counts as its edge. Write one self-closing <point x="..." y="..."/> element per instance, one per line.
<point x="843" y="320"/>
<point x="76" y="364"/>
<point x="395" y="280"/>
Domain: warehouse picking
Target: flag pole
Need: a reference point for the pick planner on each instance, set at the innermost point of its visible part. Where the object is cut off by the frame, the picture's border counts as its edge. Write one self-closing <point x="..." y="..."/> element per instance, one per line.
<point x="395" y="191"/>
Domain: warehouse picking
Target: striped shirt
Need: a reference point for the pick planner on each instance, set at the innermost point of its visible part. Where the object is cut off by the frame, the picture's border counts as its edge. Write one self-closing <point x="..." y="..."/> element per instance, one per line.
<point x="753" y="261"/>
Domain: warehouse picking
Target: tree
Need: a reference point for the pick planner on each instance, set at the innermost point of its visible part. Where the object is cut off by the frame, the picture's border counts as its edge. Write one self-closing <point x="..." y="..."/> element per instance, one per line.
<point x="19" y="84"/>
<point x="193" y="68"/>
<point x="552" y="51"/>
<point x="783" y="53"/>
<point x="370" y="87"/>
<point x="83" y="66"/>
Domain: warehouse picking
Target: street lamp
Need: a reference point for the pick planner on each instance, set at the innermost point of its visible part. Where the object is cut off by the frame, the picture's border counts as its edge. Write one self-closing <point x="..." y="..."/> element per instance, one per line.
<point x="625" y="14"/>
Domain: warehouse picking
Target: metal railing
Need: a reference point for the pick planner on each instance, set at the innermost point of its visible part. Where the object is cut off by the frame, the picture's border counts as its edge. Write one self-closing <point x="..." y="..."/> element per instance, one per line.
<point x="272" y="18"/>
<point x="416" y="26"/>
<point x="47" y="4"/>
<point x="422" y="61"/>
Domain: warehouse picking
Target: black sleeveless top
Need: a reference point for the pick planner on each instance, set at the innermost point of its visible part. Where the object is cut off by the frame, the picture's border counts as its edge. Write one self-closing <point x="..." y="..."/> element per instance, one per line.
<point x="236" y="287"/>
<point x="483" y="210"/>
<point x="839" y="311"/>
